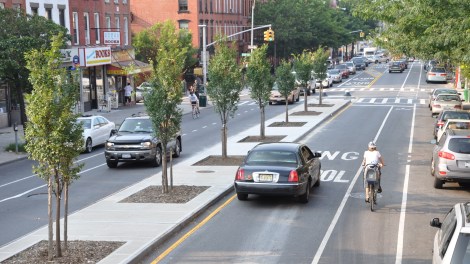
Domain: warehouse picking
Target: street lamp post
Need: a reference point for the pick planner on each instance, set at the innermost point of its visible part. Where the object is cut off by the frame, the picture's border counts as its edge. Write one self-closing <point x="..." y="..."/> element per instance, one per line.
<point x="204" y="59"/>
<point x="252" y="23"/>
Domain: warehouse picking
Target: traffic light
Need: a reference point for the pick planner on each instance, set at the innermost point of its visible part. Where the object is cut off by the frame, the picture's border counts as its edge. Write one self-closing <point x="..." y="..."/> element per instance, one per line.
<point x="266" y="35"/>
<point x="362" y="34"/>
<point x="269" y="35"/>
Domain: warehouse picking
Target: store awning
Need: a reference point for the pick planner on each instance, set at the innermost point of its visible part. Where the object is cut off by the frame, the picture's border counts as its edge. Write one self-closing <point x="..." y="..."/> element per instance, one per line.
<point x="122" y="67"/>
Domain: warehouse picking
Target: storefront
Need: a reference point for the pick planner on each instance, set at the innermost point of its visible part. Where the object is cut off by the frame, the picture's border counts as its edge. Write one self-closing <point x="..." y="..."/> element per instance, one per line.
<point x="4" y="105"/>
<point x="123" y="67"/>
<point x="93" y="63"/>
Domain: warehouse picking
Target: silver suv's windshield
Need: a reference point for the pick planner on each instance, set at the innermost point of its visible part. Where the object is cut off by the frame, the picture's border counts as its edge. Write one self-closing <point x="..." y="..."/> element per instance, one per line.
<point x="136" y="126"/>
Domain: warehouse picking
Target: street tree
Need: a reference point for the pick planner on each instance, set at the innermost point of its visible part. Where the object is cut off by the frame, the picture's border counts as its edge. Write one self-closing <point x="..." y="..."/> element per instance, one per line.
<point x="162" y="100"/>
<point x="320" y="69"/>
<point x="225" y="85"/>
<point x="147" y="44"/>
<point x="303" y="66"/>
<point x="258" y="78"/>
<point x="22" y="33"/>
<point x="285" y="81"/>
<point x="53" y="136"/>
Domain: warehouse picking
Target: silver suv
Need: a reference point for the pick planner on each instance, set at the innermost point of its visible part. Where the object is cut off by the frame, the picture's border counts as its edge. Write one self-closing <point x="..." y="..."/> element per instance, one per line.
<point x="135" y="141"/>
<point x="452" y="240"/>
<point x="451" y="158"/>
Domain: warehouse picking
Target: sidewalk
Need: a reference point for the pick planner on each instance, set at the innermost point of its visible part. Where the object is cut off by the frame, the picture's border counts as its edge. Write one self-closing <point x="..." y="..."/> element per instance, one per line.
<point x="142" y="226"/>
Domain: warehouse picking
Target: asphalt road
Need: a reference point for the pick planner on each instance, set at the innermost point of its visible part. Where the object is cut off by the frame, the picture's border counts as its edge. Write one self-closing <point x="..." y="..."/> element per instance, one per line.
<point x="336" y="226"/>
<point x="23" y="196"/>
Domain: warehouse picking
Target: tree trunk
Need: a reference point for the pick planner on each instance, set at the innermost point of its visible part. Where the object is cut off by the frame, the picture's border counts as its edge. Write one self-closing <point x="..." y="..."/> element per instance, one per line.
<point x="224" y="139"/>
<point x="321" y="93"/>
<point x="287" y="111"/>
<point x="263" y="122"/>
<point x="50" y="246"/>
<point x="164" y="170"/>
<point x="305" y="99"/>
<point x="66" y="213"/>
<point x="171" y="169"/>
<point x="57" y="218"/>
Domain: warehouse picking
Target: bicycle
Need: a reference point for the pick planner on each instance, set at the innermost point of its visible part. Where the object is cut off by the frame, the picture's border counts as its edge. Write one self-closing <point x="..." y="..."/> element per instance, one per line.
<point x="371" y="178"/>
<point x="195" y="111"/>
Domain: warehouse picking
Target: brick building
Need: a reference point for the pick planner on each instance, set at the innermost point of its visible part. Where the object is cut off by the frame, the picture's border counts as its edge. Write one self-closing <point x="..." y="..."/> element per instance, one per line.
<point x="16" y="4"/>
<point x="225" y="17"/>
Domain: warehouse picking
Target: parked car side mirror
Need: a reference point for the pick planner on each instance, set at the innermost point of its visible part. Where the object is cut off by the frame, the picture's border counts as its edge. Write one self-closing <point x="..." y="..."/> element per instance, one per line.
<point x="435" y="223"/>
<point x="113" y="131"/>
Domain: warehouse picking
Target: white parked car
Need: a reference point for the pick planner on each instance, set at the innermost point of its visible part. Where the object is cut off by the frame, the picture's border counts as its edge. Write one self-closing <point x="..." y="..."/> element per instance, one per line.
<point x="445" y="102"/>
<point x="96" y="130"/>
<point x="452" y="240"/>
<point x="456" y="124"/>
<point x="436" y="74"/>
<point x="336" y="75"/>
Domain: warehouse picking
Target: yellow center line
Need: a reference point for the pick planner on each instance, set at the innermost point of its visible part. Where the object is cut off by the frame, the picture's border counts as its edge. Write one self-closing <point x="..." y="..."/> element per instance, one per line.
<point x="183" y="238"/>
<point x="374" y="80"/>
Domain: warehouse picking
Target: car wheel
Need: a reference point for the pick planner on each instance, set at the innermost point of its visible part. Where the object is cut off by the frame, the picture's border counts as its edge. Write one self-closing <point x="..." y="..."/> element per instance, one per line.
<point x="438" y="183"/>
<point x="177" y="149"/>
<point x="111" y="164"/>
<point x="317" y="183"/>
<point x="304" y="197"/>
<point x="88" y="145"/>
<point x="157" y="160"/>
<point x="242" y="196"/>
<point x="298" y="98"/>
<point x="389" y="71"/>
<point x="270" y="103"/>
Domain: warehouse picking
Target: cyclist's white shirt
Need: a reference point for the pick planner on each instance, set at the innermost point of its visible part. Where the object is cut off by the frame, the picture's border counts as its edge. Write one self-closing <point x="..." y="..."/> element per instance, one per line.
<point x="372" y="157"/>
<point x="193" y="98"/>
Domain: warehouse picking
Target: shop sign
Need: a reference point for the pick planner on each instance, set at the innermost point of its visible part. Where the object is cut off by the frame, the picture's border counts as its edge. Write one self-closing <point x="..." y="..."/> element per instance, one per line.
<point x="66" y="55"/>
<point x="112" y="38"/>
<point x="94" y="56"/>
<point x="112" y="70"/>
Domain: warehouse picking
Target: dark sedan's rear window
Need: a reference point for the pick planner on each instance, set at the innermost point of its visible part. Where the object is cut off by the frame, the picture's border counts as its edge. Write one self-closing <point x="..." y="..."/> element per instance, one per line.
<point x="460" y="145"/>
<point x="262" y="157"/>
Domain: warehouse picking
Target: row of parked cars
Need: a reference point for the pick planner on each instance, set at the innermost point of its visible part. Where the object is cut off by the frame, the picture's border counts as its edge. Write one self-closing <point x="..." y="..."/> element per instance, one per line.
<point x="450" y="162"/>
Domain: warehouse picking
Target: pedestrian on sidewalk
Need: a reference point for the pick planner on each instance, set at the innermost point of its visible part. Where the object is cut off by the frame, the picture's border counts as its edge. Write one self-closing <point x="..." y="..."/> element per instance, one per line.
<point x="127" y="94"/>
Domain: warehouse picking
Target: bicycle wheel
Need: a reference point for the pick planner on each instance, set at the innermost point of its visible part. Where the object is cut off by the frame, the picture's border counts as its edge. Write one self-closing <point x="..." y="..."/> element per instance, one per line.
<point x="371" y="197"/>
<point x="194" y="113"/>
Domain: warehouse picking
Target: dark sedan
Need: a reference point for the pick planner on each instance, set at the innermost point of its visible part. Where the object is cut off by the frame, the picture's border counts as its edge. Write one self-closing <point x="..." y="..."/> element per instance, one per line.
<point x="278" y="169"/>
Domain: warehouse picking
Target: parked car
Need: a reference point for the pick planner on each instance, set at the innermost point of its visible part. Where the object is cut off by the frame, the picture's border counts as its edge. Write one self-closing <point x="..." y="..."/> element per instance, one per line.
<point x="276" y="96"/>
<point x="395" y="66"/>
<point x="429" y="64"/>
<point x="445" y="102"/>
<point x="436" y="91"/>
<point x="96" y="130"/>
<point x="448" y="114"/>
<point x="436" y="74"/>
<point x="135" y="141"/>
<point x="456" y="124"/>
<point x="452" y="239"/>
<point x="359" y="63"/>
<point x="351" y="67"/>
<point x="315" y="83"/>
<point x="336" y="75"/>
<point x="344" y="70"/>
<point x="380" y="59"/>
<point x="280" y="168"/>
<point x="451" y="158"/>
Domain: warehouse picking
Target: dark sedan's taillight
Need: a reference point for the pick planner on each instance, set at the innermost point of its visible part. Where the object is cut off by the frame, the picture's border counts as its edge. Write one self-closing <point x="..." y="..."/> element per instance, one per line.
<point x="240" y="176"/>
<point x="293" y="176"/>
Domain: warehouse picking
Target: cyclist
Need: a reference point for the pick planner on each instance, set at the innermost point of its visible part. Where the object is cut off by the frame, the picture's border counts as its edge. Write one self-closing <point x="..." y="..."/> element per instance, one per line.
<point x="373" y="156"/>
<point x="194" y="101"/>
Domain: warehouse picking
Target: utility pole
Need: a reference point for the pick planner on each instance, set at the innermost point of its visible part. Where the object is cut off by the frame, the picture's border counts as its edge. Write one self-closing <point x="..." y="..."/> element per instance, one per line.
<point x="252" y="23"/>
<point x="204" y="59"/>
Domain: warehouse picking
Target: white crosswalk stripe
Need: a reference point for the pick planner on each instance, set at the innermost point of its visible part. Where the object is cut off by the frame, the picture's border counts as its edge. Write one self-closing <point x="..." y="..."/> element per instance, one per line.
<point x="408" y="101"/>
<point x="382" y="89"/>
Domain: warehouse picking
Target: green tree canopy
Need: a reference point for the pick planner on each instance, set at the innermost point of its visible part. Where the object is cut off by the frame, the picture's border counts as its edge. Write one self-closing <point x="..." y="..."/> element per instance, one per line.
<point x="303" y="66"/>
<point x="285" y="81"/>
<point x="319" y="68"/>
<point x="21" y="33"/>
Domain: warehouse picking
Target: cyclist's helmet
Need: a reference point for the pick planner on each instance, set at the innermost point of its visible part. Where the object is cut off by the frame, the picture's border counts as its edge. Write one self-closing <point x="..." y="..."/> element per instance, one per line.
<point x="372" y="145"/>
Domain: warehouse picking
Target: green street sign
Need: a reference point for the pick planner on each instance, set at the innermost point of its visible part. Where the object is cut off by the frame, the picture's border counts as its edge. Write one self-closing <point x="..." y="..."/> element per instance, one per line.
<point x="246" y="54"/>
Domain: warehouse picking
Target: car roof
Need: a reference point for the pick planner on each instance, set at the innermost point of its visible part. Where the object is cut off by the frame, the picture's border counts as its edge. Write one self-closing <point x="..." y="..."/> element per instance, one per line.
<point x="286" y="146"/>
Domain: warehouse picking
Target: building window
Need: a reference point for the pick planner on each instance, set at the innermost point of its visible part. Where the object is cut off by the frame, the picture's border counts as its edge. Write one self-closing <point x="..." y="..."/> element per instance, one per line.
<point x="87" y="28"/>
<point x="49" y="13"/>
<point x="116" y="1"/>
<point x="126" y="31"/>
<point x="116" y="21"/>
<point x="2" y="5"/>
<point x="124" y="1"/>
<point x="183" y="5"/>
<point x="75" y="28"/>
<point x="183" y="24"/>
<point x="108" y="22"/>
<point x="97" y="28"/>
<point x="17" y="7"/>
<point x="62" y="17"/>
<point x="34" y="10"/>
<point x="106" y="1"/>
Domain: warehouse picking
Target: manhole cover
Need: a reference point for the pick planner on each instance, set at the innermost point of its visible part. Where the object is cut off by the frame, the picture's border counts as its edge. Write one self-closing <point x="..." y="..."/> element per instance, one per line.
<point x="205" y="171"/>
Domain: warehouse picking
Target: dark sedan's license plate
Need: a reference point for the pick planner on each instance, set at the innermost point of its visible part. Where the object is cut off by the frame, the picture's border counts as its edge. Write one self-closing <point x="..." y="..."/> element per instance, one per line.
<point x="266" y="177"/>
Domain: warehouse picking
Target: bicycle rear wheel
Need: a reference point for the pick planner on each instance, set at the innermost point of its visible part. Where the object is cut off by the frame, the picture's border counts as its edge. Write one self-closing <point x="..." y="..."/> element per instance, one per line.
<point x="371" y="197"/>
<point x="194" y="113"/>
